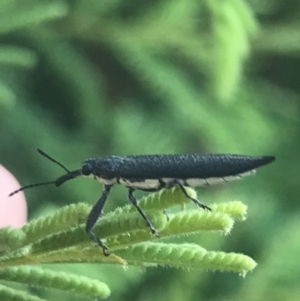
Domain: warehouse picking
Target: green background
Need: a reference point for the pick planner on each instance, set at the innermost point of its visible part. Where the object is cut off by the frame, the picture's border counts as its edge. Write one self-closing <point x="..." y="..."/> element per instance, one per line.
<point x="83" y="79"/>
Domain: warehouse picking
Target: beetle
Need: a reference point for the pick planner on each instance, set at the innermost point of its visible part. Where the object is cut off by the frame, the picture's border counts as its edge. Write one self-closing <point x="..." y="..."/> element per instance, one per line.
<point x="153" y="173"/>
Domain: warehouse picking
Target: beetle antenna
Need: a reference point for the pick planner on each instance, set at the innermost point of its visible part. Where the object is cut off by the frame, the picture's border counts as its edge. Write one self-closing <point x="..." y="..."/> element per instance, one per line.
<point x="53" y="160"/>
<point x="29" y="186"/>
<point x="70" y="175"/>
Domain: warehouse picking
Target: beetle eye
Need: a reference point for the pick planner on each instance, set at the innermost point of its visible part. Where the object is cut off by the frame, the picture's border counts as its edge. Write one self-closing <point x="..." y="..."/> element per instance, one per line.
<point x="87" y="169"/>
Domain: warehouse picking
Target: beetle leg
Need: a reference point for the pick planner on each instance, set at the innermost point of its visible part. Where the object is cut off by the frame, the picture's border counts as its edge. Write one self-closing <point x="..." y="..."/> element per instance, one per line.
<point x="133" y="201"/>
<point x="176" y="182"/>
<point x="93" y="217"/>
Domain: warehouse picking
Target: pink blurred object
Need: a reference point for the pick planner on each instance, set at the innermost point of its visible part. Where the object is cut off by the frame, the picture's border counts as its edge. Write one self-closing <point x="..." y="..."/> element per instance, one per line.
<point x="13" y="210"/>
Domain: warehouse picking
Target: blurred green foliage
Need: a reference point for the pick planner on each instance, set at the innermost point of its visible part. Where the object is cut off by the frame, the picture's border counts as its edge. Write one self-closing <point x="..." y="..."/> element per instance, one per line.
<point x="89" y="78"/>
